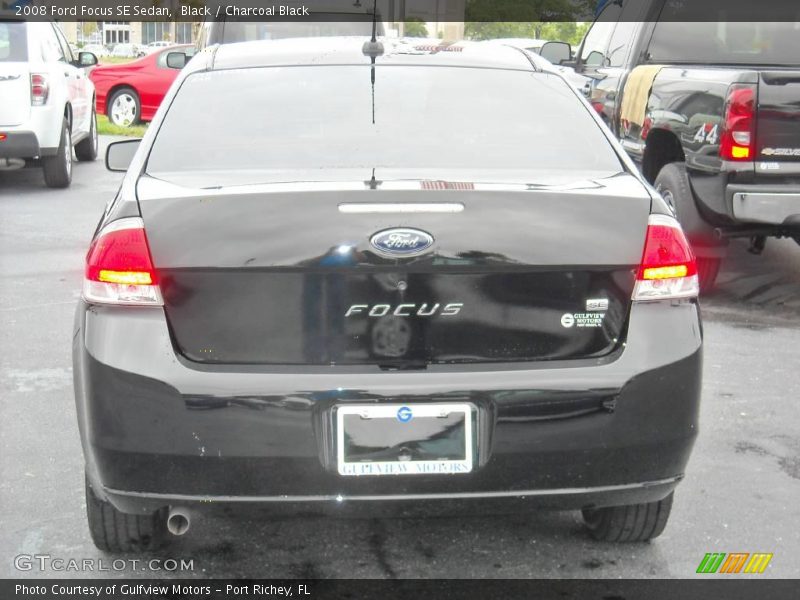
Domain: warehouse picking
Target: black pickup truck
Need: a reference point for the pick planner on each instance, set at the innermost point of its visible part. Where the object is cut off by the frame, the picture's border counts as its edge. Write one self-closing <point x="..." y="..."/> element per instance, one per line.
<point x="710" y="111"/>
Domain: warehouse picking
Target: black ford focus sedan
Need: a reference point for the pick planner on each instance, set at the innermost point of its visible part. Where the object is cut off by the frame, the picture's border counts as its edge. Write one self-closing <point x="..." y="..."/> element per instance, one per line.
<point x="344" y="275"/>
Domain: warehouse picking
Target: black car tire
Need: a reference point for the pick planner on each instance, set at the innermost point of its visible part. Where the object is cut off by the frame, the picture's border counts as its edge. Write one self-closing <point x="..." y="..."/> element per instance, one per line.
<point x="58" y="168"/>
<point x="137" y="106"/>
<point x="673" y="184"/>
<point x="86" y="149"/>
<point x="115" y="531"/>
<point x="630" y="523"/>
<point x="707" y="271"/>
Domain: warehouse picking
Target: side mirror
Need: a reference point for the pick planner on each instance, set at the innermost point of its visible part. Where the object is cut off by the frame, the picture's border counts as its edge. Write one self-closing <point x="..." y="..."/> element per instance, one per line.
<point x="595" y="59"/>
<point x="86" y="59"/>
<point x="177" y="60"/>
<point x="556" y="52"/>
<point x="119" y="155"/>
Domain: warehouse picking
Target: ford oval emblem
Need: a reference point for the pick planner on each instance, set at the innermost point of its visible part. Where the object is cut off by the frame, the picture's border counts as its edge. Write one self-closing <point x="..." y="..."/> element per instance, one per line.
<point x="402" y="241"/>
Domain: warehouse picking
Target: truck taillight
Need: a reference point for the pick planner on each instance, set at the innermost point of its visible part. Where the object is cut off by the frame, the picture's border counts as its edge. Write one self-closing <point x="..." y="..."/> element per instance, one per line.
<point x="668" y="268"/>
<point x="40" y="89"/>
<point x="738" y="127"/>
<point x="119" y="269"/>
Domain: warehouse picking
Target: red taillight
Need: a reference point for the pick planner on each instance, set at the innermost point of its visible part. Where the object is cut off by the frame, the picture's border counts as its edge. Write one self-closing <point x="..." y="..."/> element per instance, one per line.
<point x="668" y="268"/>
<point x="119" y="269"/>
<point x="40" y="89"/>
<point x="738" y="127"/>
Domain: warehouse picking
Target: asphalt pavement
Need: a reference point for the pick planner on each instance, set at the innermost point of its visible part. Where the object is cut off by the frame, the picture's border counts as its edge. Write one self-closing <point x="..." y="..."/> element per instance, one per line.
<point x="741" y="492"/>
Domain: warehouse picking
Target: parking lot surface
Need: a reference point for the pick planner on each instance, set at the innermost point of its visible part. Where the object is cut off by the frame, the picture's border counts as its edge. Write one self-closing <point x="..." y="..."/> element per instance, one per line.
<point x="740" y="493"/>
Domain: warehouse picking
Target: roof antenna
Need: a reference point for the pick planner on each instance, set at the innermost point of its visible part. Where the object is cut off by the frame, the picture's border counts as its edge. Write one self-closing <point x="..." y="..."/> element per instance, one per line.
<point x="373" y="48"/>
<point x="373" y="183"/>
<point x="374" y="21"/>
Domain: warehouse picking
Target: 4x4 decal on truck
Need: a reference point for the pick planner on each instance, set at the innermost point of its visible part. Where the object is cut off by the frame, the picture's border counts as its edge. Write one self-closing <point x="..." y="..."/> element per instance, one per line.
<point x="708" y="133"/>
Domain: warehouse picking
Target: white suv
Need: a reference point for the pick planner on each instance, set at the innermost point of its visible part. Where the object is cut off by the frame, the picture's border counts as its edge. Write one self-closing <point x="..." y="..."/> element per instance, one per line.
<point x="47" y="103"/>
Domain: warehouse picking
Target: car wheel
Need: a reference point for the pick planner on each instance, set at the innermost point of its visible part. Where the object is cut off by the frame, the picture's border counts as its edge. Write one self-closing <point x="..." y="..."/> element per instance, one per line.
<point x="707" y="271"/>
<point x="630" y="523"/>
<point x="86" y="150"/>
<point x="673" y="185"/>
<point x="58" y="168"/>
<point x="115" y="531"/>
<point x="124" y="108"/>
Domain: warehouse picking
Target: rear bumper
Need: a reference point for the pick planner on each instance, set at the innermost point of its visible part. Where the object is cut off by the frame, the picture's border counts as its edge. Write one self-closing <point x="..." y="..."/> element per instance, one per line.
<point x="405" y="503"/>
<point x="159" y="431"/>
<point x="772" y="208"/>
<point x="39" y="135"/>
<point x="19" y="144"/>
<point x="734" y="201"/>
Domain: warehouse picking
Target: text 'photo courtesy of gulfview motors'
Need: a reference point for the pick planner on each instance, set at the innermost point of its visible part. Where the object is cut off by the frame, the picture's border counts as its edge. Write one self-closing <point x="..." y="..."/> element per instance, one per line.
<point x="365" y="294"/>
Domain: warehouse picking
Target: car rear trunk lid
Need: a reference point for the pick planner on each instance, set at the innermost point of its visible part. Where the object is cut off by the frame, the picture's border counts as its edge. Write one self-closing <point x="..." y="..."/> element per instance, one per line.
<point x="252" y="276"/>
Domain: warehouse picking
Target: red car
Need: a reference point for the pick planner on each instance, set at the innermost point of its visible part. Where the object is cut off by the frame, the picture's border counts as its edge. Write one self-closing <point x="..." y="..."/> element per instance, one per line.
<point x="131" y="92"/>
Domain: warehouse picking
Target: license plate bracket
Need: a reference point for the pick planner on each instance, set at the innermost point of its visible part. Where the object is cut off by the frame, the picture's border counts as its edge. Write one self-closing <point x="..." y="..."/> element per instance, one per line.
<point x="404" y="439"/>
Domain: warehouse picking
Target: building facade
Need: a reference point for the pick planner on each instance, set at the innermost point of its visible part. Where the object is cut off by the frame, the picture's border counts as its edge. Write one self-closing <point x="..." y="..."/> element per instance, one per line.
<point x="110" y="33"/>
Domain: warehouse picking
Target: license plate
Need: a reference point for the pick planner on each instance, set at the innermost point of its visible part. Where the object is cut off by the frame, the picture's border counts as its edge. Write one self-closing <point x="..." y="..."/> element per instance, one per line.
<point x="404" y="439"/>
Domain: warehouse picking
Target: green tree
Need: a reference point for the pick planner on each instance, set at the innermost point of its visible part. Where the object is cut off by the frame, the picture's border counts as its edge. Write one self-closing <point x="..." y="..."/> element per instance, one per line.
<point x="88" y="28"/>
<point x="415" y="28"/>
<point x="527" y="11"/>
<point x="553" y="20"/>
<point x="498" y="29"/>
<point x="562" y="31"/>
<point x="565" y="31"/>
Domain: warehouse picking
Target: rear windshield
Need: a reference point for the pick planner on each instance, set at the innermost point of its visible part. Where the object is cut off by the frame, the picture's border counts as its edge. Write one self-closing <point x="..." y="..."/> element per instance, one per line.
<point x="13" y="42"/>
<point x="724" y="42"/>
<point x="254" y="122"/>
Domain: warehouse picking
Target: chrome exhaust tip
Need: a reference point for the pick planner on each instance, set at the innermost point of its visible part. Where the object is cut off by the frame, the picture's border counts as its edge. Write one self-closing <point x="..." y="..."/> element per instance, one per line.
<point x="178" y="521"/>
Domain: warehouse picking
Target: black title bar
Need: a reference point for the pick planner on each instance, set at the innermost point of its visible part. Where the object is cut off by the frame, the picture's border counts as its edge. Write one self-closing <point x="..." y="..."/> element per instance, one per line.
<point x="732" y="588"/>
<point x="521" y="11"/>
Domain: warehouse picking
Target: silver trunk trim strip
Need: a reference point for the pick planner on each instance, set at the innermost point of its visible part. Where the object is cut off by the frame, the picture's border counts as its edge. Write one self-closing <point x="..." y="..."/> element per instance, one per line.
<point x="409" y="207"/>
